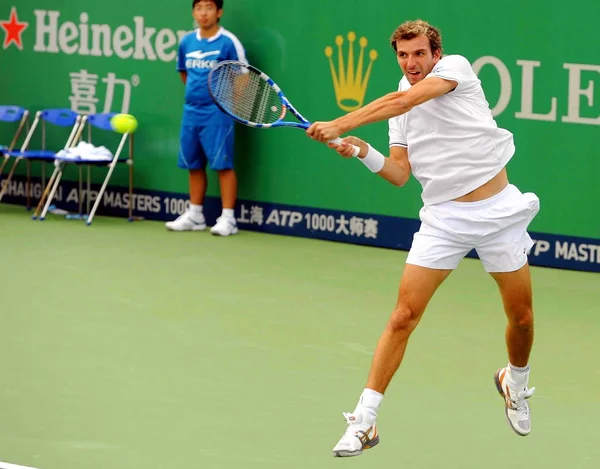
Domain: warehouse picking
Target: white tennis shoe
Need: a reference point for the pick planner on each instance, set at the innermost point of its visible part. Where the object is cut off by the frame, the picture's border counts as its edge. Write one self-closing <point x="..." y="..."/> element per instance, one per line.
<point x="359" y="436"/>
<point x="516" y="406"/>
<point x="225" y="226"/>
<point x="185" y="222"/>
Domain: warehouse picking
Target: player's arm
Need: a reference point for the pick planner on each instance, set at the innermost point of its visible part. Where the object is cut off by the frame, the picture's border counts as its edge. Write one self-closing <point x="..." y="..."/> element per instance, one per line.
<point x="180" y="65"/>
<point x="396" y="103"/>
<point x="388" y="106"/>
<point x="394" y="169"/>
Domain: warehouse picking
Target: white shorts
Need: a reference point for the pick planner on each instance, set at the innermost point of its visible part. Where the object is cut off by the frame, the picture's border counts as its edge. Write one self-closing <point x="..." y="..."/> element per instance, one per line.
<point x="496" y="228"/>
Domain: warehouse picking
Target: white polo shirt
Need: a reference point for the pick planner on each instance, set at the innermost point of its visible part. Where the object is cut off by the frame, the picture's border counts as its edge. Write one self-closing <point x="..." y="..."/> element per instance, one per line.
<point x="454" y="144"/>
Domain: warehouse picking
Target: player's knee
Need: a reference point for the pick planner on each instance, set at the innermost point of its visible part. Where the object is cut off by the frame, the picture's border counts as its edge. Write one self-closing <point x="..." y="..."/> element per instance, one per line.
<point x="403" y="319"/>
<point x="522" y="317"/>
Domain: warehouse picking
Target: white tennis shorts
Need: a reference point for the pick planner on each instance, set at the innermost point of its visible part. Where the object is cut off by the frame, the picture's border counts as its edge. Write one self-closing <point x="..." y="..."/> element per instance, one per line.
<point x="495" y="227"/>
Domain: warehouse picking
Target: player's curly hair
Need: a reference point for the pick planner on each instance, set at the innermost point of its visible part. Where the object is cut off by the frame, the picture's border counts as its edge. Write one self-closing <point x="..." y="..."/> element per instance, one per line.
<point x="218" y="3"/>
<point x="411" y="29"/>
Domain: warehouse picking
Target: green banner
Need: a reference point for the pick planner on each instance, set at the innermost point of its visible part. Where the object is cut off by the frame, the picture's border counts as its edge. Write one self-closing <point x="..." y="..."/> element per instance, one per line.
<point x="539" y="65"/>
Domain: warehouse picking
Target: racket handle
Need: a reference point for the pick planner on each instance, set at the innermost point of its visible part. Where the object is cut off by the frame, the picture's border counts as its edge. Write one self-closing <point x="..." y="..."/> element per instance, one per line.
<point x="338" y="141"/>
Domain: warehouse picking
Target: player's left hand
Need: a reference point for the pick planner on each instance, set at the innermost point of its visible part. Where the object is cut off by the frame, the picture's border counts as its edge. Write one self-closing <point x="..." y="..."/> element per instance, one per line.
<point x="324" y="131"/>
<point x="346" y="149"/>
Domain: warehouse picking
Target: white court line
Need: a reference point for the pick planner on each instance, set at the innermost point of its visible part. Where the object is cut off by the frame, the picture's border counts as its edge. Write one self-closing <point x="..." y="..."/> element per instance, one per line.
<point x="7" y="465"/>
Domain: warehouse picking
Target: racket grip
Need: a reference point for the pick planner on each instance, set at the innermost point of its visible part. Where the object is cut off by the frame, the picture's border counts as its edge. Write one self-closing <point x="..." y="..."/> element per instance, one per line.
<point x="355" y="149"/>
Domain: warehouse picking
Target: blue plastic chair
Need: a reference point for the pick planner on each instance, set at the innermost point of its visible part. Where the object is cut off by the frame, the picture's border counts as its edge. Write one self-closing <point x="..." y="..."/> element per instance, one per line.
<point x="11" y="115"/>
<point x="100" y="122"/>
<point x="57" y="117"/>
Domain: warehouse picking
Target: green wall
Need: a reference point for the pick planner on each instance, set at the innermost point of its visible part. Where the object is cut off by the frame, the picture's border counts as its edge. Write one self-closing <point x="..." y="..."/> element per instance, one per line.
<point x="546" y="59"/>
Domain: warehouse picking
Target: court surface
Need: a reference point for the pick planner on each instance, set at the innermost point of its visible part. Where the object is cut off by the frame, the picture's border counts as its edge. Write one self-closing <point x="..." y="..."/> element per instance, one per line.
<point x="124" y="346"/>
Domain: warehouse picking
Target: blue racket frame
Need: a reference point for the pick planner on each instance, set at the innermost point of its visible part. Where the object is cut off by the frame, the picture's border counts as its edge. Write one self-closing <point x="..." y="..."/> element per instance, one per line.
<point x="286" y="105"/>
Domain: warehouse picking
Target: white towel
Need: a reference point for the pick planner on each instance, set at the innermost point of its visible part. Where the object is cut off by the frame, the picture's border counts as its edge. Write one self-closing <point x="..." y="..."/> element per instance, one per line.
<point x="86" y="152"/>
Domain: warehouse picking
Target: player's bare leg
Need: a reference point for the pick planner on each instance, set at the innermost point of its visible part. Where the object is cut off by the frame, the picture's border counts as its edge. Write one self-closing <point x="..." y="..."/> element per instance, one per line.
<point x="226" y="224"/>
<point x="512" y="380"/>
<point x="228" y="185"/>
<point x="198" y="185"/>
<point x="193" y="218"/>
<point x="417" y="287"/>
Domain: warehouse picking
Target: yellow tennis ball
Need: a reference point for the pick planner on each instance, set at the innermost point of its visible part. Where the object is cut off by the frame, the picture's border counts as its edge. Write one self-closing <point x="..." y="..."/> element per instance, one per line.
<point x="124" y="123"/>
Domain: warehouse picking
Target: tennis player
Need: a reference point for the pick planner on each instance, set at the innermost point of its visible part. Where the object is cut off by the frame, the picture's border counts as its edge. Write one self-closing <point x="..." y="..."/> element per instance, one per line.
<point x="442" y="131"/>
<point x="207" y="134"/>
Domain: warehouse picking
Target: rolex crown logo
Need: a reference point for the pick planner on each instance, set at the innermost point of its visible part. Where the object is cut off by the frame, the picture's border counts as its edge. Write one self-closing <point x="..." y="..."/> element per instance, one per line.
<point x="350" y="80"/>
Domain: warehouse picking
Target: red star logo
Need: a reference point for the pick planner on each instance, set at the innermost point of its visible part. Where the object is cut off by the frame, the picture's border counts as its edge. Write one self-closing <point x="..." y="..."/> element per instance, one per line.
<point x="13" y="30"/>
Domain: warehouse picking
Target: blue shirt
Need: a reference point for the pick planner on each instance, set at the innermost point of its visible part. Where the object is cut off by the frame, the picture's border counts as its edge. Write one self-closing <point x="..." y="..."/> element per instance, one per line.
<point x="197" y="56"/>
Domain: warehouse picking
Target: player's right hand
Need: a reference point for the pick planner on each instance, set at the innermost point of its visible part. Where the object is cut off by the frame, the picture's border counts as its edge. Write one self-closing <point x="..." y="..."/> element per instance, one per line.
<point x="345" y="148"/>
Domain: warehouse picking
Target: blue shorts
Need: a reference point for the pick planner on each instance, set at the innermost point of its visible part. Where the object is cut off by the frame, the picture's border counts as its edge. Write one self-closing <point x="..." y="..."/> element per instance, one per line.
<point x="199" y="144"/>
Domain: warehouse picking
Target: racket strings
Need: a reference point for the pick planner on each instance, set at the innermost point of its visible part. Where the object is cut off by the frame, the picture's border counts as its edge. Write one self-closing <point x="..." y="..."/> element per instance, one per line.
<point x="244" y="93"/>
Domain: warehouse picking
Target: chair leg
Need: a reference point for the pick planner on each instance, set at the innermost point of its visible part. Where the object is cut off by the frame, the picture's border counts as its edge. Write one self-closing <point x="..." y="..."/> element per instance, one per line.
<point x="89" y="189"/>
<point x="4" y="163"/>
<point x="80" y="190"/>
<point x="45" y="193"/>
<point x="9" y="177"/>
<point x="111" y="168"/>
<point x="52" y="191"/>
<point x="131" y="192"/>
<point x="100" y="194"/>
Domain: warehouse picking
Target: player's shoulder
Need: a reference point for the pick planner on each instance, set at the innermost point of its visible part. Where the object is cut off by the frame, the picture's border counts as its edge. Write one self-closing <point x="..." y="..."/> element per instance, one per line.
<point x="455" y="58"/>
<point x="189" y="38"/>
<point x="453" y="61"/>
<point x="403" y="84"/>
<point x="228" y="36"/>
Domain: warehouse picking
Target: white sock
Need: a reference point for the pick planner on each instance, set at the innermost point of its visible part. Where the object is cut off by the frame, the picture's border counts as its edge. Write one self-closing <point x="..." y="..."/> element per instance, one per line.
<point x="195" y="213"/>
<point x="518" y="376"/>
<point x="196" y="209"/>
<point x="369" y="403"/>
<point x="228" y="213"/>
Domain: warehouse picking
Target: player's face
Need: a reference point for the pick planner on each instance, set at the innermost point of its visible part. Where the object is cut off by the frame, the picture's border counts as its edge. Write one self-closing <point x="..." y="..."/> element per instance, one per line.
<point x="205" y="13"/>
<point x="415" y="58"/>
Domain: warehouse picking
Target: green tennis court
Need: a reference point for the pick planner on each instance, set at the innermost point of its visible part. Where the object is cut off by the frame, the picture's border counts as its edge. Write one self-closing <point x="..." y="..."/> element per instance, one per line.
<point x="125" y="346"/>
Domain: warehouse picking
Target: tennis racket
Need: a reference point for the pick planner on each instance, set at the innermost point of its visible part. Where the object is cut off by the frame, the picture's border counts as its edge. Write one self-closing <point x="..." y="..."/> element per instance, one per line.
<point x="252" y="98"/>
